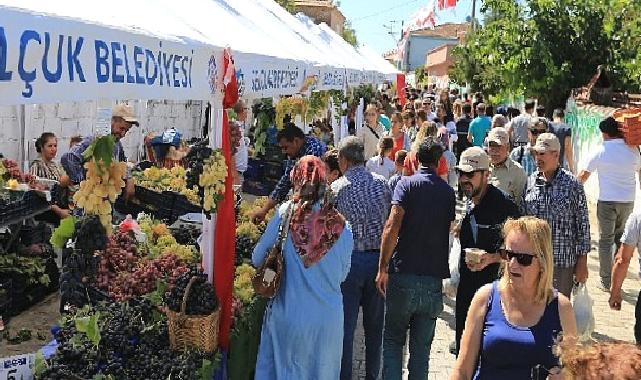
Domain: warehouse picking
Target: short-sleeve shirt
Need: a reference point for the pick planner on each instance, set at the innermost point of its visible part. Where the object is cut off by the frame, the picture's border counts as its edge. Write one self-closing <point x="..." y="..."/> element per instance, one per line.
<point x="423" y="240"/>
<point x="632" y="233"/>
<point x="510" y="178"/>
<point x="520" y="125"/>
<point x="382" y="166"/>
<point x="479" y="128"/>
<point x="616" y="164"/>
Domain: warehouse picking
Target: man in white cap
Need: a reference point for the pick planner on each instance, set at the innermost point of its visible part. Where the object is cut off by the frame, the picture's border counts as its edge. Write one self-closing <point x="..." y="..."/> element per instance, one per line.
<point x="122" y="119"/>
<point x="552" y="193"/>
<point x="487" y="210"/>
<point x="505" y="174"/>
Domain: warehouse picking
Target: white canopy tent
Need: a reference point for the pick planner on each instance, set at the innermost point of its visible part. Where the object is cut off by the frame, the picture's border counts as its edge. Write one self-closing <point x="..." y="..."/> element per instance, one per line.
<point x="381" y="65"/>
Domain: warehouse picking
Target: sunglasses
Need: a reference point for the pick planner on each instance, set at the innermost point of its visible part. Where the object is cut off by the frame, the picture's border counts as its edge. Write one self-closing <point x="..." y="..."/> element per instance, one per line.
<point x="536" y="131"/>
<point x="466" y="174"/>
<point x="524" y="259"/>
<point x="371" y="114"/>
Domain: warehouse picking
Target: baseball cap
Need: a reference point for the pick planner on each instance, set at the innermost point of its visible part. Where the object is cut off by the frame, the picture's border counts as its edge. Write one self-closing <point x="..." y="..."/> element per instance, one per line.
<point x="126" y="112"/>
<point x="547" y="142"/>
<point x="498" y="135"/>
<point x="473" y="159"/>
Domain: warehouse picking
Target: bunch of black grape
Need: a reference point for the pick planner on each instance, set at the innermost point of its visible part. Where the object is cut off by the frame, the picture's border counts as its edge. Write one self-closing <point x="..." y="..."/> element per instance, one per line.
<point x="244" y="248"/>
<point x="90" y="235"/>
<point x="194" y="161"/>
<point x="202" y="298"/>
<point x="76" y="360"/>
<point x="187" y="234"/>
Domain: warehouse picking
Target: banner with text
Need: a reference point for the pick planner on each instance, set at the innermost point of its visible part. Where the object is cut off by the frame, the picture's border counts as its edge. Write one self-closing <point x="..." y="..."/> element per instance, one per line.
<point x="47" y="59"/>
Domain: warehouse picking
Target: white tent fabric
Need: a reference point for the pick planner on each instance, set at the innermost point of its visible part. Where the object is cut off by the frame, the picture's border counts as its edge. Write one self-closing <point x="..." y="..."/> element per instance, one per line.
<point x="69" y="50"/>
<point x="381" y="65"/>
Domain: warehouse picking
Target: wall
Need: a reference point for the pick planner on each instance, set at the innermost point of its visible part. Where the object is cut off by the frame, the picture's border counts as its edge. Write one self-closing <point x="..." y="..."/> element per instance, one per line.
<point x="79" y="118"/>
<point x="584" y="121"/>
<point x="417" y="49"/>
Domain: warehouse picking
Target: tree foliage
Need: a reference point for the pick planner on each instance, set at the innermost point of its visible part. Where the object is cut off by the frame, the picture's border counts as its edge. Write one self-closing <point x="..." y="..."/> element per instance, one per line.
<point x="544" y="48"/>
<point x="349" y="34"/>
<point x="289" y="5"/>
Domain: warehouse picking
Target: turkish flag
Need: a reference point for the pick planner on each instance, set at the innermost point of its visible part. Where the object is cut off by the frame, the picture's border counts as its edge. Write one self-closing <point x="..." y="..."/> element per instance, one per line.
<point x="444" y="4"/>
<point x="400" y="88"/>
<point x="224" y="236"/>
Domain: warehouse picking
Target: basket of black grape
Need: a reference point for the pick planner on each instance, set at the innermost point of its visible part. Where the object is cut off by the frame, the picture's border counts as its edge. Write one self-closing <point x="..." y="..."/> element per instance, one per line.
<point x="193" y="313"/>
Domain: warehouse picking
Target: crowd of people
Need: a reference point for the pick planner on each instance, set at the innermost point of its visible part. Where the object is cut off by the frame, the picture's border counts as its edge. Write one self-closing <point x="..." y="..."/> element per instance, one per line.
<point x="379" y="218"/>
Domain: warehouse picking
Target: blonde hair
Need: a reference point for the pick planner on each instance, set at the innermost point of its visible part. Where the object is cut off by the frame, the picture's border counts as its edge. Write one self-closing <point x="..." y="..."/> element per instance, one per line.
<point x="540" y="236"/>
<point x="428" y="129"/>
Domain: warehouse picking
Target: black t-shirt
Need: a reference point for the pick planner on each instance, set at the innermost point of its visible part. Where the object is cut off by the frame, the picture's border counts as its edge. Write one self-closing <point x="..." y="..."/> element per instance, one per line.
<point x="490" y="215"/>
<point x="462" y="127"/>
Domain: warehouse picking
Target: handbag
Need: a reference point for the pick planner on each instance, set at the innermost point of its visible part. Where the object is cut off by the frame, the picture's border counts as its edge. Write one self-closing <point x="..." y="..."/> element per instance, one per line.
<point x="266" y="281"/>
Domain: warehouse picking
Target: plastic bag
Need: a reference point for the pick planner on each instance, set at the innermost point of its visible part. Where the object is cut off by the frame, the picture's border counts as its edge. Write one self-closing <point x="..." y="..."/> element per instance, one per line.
<point x="582" y="304"/>
<point x="450" y="284"/>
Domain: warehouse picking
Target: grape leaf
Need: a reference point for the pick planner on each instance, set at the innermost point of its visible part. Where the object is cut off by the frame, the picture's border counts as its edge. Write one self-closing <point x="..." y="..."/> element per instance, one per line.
<point x="64" y="231"/>
<point x="93" y="331"/>
<point x="206" y="371"/>
<point x="40" y="364"/>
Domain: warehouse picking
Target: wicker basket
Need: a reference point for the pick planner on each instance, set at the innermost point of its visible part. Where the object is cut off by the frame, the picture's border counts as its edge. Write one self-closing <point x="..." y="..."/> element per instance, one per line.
<point x="629" y="120"/>
<point x="200" y="332"/>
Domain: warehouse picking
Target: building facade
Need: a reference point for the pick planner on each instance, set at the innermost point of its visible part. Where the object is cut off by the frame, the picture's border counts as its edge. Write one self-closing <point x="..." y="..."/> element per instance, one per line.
<point x="322" y="11"/>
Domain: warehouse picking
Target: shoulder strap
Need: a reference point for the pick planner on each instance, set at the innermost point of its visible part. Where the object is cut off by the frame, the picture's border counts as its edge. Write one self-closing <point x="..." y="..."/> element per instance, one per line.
<point x="283" y="228"/>
<point x="373" y="132"/>
<point x="521" y="153"/>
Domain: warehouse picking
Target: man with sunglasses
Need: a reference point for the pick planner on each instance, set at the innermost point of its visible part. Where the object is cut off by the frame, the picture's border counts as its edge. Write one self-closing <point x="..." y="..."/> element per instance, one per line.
<point x="555" y="195"/>
<point x="505" y="174"/>
<point x="523" y="154"/>
<point x="487" y="210"/>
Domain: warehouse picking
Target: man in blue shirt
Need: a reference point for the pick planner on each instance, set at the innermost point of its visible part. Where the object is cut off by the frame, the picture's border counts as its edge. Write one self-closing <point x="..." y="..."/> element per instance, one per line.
<point x="122" y="119"/>
<point x="419" y="241"/>
<point x="363" y="198"/>
<point x="295" y="145"/>
<point x="479" y="127"/>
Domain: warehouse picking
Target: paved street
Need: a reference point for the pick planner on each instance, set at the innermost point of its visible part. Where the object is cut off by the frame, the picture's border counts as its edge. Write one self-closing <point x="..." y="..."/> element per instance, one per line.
<point x="610" y="325"/>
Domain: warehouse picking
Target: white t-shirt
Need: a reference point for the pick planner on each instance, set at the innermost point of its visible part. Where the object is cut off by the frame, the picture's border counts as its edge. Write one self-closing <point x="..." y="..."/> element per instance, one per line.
<point x="617" y="164"/>
<point x="386" y="168"/>
<point x="632" y="232"/>
<point x="370" y="138"/>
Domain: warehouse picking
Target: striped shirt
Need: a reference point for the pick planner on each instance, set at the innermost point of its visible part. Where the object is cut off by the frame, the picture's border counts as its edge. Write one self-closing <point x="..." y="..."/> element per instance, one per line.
<point x="48" y="170"/>
<point x="364" y="199"/>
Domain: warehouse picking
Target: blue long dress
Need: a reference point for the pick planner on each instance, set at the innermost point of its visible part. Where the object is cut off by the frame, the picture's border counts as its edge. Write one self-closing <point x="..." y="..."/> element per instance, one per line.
<point x="302" y="336"/>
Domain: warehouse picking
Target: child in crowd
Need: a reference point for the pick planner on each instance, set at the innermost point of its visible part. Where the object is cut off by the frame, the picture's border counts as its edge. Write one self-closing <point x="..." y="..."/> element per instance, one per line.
<point x="381" y="164"/>
<point x="450" y="157"/>
<point x="399" y="160"/>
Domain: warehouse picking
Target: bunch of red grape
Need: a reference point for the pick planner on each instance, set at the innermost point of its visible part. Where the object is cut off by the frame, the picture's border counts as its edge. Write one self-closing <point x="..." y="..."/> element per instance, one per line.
<point x="12" y="171"/>
<point x="124" y="274"/>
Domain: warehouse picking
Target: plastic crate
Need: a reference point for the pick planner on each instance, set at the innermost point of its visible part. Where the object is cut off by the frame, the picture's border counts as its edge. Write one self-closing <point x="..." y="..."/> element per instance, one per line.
<point x="273" y="169"/>
<point x="254" y="170"/>
<point x="629" y="120"/>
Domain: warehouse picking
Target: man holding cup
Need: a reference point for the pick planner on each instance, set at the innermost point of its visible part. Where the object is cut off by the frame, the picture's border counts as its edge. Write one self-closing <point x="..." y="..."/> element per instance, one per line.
<point x="480" y="230"/>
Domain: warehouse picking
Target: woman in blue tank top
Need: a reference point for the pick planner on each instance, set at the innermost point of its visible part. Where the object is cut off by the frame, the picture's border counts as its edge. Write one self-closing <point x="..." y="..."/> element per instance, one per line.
<point x="513" y="323"/>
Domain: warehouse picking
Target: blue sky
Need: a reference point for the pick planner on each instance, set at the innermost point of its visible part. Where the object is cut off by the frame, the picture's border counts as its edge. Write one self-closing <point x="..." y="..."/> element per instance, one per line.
<point x="369" y="16"/>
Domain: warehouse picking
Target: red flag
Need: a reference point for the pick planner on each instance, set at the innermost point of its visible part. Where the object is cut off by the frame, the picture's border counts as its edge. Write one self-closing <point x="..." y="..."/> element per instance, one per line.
<point x="400" y="88"/>
<point x="224" y="236"/>
<point x="444" y="4"/>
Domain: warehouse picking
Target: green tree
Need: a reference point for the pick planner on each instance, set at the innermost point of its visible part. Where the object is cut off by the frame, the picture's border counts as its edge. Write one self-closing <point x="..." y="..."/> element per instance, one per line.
<point x="289" y="5"/>
<point x="349" y="34"/>
<point x="545" y="48"/>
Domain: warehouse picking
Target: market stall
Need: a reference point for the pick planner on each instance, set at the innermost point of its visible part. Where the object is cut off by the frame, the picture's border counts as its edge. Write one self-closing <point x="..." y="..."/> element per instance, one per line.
<point x="136" y="277"/>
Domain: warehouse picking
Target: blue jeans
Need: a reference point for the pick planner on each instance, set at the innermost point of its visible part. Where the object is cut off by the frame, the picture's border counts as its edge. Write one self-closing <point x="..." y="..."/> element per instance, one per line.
<point x="359" y="289"/>
<point x="412" y="302"/>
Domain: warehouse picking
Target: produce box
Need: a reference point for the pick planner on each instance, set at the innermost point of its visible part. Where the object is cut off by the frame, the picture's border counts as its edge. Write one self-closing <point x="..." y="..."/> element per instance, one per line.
<point x="629" y="120"/>
<point x="157" y="204"/>
<point x="182" y="206"/>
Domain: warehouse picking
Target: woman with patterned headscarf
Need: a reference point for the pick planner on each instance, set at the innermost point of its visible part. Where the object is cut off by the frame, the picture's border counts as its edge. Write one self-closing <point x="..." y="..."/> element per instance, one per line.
<point x="302" y="335"/>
